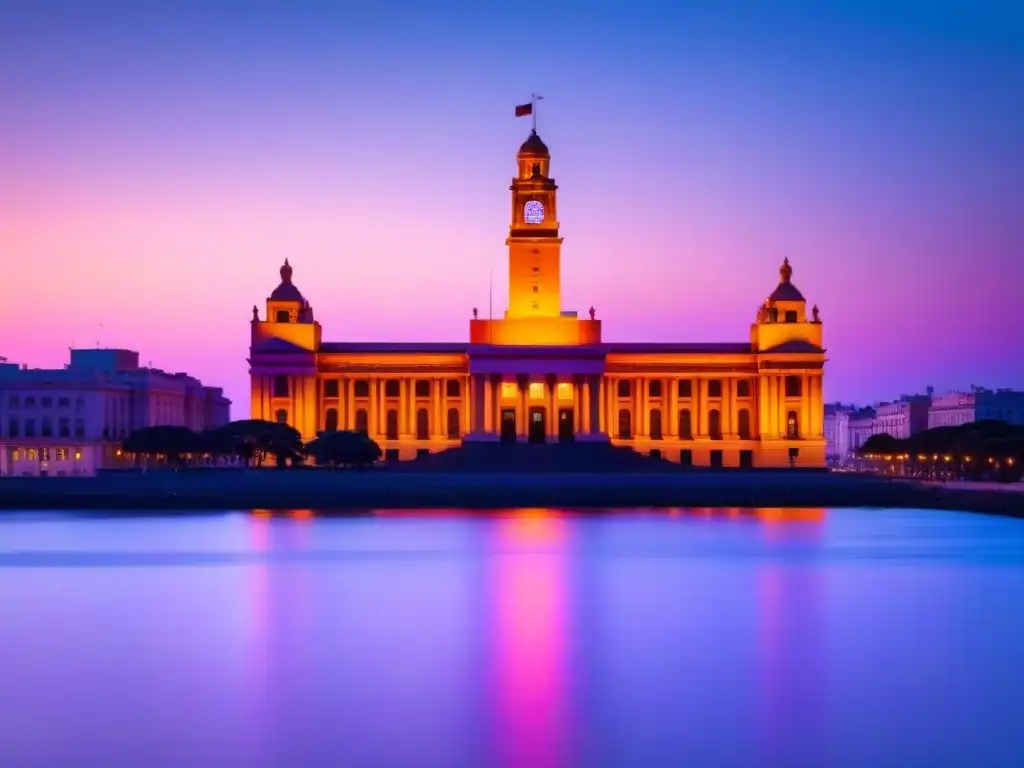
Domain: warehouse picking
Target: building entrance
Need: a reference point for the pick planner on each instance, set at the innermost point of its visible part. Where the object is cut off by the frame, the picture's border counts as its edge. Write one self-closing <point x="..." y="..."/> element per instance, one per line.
<point x="566" y="425"/>
<point x="538" y="426"/>
<point x="508" y="425"/>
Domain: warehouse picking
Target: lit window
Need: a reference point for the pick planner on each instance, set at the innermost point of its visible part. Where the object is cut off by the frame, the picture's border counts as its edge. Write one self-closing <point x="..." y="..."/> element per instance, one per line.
<point x="15" y="455"/>
<point x="508" y="389"/>
<point x="536" y="391"/>
<point x="78" y="455"/>
<point x="564" y="390"/>
<point x="31" y="454"/>
<point x="62" y="454"/>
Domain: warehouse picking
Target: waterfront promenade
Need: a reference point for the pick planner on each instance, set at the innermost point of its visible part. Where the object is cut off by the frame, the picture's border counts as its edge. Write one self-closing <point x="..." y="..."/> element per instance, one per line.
<point x="378" y="488"/>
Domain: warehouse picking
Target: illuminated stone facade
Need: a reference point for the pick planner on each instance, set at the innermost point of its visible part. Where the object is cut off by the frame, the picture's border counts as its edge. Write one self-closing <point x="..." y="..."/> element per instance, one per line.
<point x="541" y="373"/>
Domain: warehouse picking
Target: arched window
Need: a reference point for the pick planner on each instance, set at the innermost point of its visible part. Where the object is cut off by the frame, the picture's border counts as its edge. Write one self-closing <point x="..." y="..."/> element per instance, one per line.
<point x="792" y="426"/>
<point x="742" y="388"/>
<point x="625" y="423"/>
<point x="454" y="425"/>
<point x="362" y="421"/>
<point x="422" y="424"/>
<point x="744" y="424"/>
<point x="331" y="420"/>
<point x="656" y="424"/>
<point x="283" y="316"/>
<point x="654" y="388"/>
<point x="715" y="424"/>
<point x="281" y="416"/>
<point x="685" y="424"/>
<point x="793" y="386"/>
<point x="623" y="387"/>
<point x="280" y="386"/>
<point x="391" y="426"/>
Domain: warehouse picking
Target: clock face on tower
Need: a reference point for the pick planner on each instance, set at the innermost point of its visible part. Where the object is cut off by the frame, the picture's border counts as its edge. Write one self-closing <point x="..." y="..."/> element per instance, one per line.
<point x="533" y="212"/>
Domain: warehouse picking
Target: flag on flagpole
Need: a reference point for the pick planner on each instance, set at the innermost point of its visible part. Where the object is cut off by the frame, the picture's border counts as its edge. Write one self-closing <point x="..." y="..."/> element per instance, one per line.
<point x="523" y="110"/>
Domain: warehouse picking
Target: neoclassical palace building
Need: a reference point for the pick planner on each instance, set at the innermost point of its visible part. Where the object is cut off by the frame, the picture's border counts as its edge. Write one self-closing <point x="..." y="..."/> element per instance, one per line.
<point x="541" y="373"/>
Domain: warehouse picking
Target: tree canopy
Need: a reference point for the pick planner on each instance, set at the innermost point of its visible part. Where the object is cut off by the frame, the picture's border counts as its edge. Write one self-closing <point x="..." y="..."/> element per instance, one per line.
<point x="344" y="448"/>
<point x="980" y="447"/>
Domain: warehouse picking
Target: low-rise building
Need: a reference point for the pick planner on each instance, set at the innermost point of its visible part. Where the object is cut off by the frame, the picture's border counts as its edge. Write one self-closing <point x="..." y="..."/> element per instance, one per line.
<point x="954" y="408"/>
<point x="837" y="433"/>
<point x="904" y="417"/>
<point x="70" y="421"/>
<point x="861" y="427"/>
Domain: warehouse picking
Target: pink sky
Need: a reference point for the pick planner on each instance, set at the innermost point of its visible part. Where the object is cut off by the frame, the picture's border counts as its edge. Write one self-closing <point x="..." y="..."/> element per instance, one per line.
<point x="148" y="202"/>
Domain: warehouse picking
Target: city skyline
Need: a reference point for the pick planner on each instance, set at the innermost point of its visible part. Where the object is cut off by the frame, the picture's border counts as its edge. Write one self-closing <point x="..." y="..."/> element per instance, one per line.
<point x="162" y="166"/>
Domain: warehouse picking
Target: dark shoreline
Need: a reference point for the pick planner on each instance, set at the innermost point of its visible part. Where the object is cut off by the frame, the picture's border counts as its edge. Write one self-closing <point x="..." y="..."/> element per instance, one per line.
<point x="355" y="490"/>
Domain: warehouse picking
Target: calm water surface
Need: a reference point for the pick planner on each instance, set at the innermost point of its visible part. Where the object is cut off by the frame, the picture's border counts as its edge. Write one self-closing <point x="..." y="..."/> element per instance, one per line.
<point x="689" y="638"/>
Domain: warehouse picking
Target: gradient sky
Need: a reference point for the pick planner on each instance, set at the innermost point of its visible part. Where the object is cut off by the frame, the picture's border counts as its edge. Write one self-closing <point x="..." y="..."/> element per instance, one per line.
<point x="159" y="160"/>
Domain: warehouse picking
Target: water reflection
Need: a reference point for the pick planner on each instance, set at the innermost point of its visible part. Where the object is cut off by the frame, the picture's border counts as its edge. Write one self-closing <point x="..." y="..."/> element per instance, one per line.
<point x="513" y="637"/>
<point x="530" y="603"/>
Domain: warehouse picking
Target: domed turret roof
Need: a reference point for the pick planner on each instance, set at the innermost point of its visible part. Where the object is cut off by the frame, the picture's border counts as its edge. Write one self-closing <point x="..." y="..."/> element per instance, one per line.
<point x="786" y="291"/>
<point x="286" y="291"/>
<point x="534" y="146"/>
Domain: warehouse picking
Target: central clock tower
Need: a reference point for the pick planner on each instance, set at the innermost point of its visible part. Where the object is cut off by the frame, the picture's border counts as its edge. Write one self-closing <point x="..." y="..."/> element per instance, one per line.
<point x="534" y="247"/>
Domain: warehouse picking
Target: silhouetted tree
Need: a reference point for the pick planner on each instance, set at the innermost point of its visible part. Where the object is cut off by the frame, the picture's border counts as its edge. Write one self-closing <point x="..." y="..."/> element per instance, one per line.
<point x="344" y="448"/>
<point x="252" y="440"/>
<point x="174" y="442"/>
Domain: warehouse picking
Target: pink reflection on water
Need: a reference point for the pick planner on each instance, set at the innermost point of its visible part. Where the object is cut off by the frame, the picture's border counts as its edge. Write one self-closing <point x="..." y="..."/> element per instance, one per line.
<point x="258" y="588"/>
<point x="531" y="596"/>
<point x="790" y="639"/>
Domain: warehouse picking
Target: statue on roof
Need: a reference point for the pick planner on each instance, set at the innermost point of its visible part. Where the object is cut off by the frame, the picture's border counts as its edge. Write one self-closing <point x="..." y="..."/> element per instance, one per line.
<point x="255" y="314"/>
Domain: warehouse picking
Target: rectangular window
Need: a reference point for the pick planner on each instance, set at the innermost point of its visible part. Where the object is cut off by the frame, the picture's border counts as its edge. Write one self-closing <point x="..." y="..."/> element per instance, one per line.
<point x="44" y="454"/>
<point x="16" y="455"/>
<point x="747" y="459"/>
<point x="331" y="388"/>
<point x="47" y="428"/>
<point x="422" y="388"/>
<point x="361" y="388"/>
<point x="392" y="388"/>
<point x="62" y="454"/>
<point x="452" y="388"/>
<point x="64" y="402"/>
<point x="509" y="389"/>
<point x="686" y="457"/>
<point x="716" y="459"/>
<point x="47" y="402"/>
<point x="685" y="388"/>
<point x="536" y="390"/>
<point x="30" y="427"/>
<point x="280" y="386"/>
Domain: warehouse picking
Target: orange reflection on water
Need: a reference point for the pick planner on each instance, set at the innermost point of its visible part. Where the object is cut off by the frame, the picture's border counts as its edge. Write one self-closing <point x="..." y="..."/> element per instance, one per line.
<point x="790" y="515"/>
<point x="531" y="653"/>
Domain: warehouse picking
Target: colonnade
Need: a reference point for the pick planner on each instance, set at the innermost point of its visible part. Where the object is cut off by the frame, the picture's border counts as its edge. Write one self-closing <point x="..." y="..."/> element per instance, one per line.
<point x="491" y="397"/>
<point x="594" y="400"/>
<point x="765" y="400"/>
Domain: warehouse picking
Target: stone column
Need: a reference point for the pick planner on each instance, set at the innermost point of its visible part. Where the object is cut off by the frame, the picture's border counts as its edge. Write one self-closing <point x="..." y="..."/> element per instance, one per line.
<point x="435" y="408"/>
<point x="477" y="396"/>
<point x="779" y="405"/>
<point x="594" y="403"/>
<point x="671" y="418"/>
<point x="761" y="407"/>
<point x="495" y="405"/>
<point x="371" y="415"/>
<point x="551" y="398"/>
<point x="806" y="427"/>
<point x="577" y="403"/>
<point x="523" y="409"/>
<point x="639" y="406"/>
<point x="818" y="406"/>
<point x="701" y="406"/>
<point x="487" y="405"/>
<point x="350" y="403"/>
<point x="609" y="405"/>
<point x="403" y="407"/>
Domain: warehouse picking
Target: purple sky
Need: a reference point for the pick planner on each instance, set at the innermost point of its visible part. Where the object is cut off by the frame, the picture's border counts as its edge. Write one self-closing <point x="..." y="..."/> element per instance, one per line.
<point x="159" y="161"/>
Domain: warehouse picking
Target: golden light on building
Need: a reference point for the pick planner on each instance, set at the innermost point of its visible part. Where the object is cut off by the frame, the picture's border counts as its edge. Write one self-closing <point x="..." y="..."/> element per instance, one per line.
<point x="542" y="373"/>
